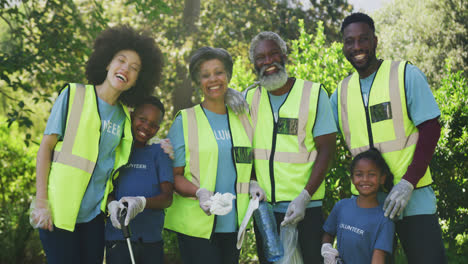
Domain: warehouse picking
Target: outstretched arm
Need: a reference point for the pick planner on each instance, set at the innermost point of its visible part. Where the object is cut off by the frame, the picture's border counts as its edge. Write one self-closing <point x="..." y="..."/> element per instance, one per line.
<point x="326" y="146"/>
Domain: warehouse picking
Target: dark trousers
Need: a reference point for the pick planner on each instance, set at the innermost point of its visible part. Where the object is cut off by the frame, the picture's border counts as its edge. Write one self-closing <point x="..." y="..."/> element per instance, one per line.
<point x="220" y="249"/>
<point x="421" y="238"/>
<point x="117" y="252"/>
<point x="84" y="245"/>
<point x="309" y="236"/>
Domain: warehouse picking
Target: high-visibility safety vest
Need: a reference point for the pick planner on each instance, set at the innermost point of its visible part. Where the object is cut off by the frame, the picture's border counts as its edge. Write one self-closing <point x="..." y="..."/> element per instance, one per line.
<point x="385" y="123"/>
<point x="201" y="161"/>
<point x="284" y="151"/>
<point x="75" y="157"/>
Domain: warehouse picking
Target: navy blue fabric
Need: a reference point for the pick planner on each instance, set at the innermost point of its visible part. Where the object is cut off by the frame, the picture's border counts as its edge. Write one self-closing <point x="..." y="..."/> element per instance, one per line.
<point x="85" y="245"/>
<point x="147" y="168"/>
<point x="220" y="249"/>
<point x="117" y="252"/>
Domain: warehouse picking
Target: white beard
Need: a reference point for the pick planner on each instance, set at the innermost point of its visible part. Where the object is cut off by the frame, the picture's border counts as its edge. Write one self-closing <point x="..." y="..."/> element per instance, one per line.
<point x="275" y="81"/>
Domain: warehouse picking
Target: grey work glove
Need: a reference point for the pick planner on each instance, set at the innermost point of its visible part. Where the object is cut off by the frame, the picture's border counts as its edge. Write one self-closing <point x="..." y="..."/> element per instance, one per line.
<point x="329" y="253"/>
<point x="398" y="198"/>
<point x="114" y="209"/>
<point x="136" y="205"/>
<point x="236" y="101"/>
<point x="296" y="209"/>
<point x="203" y="196"/>
<point x="256" y="191"/>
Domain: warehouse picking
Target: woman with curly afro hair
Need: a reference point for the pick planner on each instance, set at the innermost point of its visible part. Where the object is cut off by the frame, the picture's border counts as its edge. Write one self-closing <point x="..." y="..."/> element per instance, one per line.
<point x="87" y="139"/>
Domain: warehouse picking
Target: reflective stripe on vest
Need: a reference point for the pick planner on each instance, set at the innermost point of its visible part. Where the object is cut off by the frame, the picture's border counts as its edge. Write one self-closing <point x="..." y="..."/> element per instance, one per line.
<point x="201" y="169"/>
<point x="75" y="157"/>
<point x="392" y="132"/>
<point x="285" y="151"/>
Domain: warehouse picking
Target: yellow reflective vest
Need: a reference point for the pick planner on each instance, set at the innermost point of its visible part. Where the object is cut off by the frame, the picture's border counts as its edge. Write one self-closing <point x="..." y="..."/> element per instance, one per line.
<point x="284" y="151"/>
<point x="75" y="157"/>
<point x="201" y="159"/>
<point x="385" y="123"/>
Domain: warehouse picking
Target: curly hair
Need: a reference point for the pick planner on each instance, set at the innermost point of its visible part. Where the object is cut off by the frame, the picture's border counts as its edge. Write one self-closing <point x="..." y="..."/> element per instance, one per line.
<point x="124" y="37"/>
<point x="266" y="35"/>
<point x="208" y="53"/>
<point x="358" y="17"/>
<point x="374" y="155"/>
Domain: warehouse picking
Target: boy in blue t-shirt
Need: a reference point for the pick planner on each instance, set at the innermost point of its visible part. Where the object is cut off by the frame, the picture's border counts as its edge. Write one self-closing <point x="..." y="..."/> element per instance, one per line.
<point x="146" y="185"/>
<point x="363" y="233"/>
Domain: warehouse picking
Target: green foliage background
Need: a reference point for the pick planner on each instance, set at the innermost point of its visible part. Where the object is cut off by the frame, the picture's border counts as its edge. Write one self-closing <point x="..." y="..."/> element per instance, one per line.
<point x="44" y="44"/>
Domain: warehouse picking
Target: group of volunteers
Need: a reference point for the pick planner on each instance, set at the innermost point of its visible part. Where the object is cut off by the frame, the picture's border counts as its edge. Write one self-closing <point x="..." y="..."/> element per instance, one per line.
<point x="274" y="142"/>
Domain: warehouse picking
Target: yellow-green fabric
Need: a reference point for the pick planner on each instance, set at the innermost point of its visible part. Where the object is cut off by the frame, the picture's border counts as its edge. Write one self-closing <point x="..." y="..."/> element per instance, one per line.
<point x="74" y="158"/>
<point x="385" y="121"/>
<point x="201" y="159"/>
<point x="284" y="151"/>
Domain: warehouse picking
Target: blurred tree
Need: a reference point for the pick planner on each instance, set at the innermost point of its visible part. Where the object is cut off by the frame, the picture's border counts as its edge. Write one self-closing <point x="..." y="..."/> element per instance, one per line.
<point x="425" y="32"/>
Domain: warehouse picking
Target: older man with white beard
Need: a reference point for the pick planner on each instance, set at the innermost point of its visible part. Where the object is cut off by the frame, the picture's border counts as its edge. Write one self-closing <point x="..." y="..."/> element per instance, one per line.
<point x="294" y="142"/>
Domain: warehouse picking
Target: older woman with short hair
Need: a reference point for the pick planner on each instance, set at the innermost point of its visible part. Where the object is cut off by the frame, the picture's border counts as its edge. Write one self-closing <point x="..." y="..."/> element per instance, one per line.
<point x="212" y="148"/>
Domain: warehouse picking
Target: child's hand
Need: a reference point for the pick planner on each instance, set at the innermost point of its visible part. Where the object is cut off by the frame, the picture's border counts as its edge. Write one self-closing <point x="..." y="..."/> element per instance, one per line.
<point x="40" y="216"/>
<point x="136" y="205"/>
<point x="329" y="253"/>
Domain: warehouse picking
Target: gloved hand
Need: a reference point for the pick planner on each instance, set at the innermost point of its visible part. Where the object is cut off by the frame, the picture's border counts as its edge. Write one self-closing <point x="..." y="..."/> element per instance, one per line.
<point x="296" y="209"/>
<point x="39" y="214"/>
<point x="203" y="196"/>
<point x="329" y="253"/>
<point x="114" y="209"/>
<point x="256" y="191"/>
<point x="167" y="147"/>
<point x="398" y="198"/>
<point x="236" y="101"/>
<point x="136" y="205"/>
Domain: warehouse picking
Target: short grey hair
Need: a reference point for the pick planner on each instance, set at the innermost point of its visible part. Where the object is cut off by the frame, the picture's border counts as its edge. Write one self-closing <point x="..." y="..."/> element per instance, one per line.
<point x="205" y="54"/>
<point x="266" y="35"/>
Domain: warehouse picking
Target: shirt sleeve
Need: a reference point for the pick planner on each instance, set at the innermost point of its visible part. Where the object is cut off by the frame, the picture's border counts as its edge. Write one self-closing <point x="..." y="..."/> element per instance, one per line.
<point x="176" y="136"/>
<point x="57" y="119"/>
<point x="324" y="121"/>
<point x="385" y="237"/>
<point x="332" y="220"/>
<point x="420" y="100"/>
<point x="334" y="107"/>
<point x="163" y="165"/>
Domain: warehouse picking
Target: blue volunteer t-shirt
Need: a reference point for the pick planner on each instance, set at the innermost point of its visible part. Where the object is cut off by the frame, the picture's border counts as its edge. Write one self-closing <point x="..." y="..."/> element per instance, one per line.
<point x="324" y="124"/>
<point x="359" y="231"/>
<point x="112" y="122"/>
<point x="421" y="107"/>
<point x="226" y="173"/>
<point x="147" y="168"/>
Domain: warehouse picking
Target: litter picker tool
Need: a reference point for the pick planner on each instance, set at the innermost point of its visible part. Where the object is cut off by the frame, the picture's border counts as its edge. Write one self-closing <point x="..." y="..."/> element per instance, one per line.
<point x="126" y="231"/>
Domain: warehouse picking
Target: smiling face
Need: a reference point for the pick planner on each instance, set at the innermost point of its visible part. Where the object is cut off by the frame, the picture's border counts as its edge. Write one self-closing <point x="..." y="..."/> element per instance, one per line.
<point x="269" y="63"/>
<point x="359" y="44"/>
<point x="145" y="123"/>
<point x="122" y="71"/>
<point x="213" y="80"/>
<point x="367" y="177"/>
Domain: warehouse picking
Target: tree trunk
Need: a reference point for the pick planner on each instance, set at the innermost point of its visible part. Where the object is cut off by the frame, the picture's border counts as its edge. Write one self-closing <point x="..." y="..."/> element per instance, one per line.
<point x="182" y="96"/>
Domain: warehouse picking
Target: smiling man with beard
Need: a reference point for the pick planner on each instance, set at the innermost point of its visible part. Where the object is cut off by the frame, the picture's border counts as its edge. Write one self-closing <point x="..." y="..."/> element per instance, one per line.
<point x="294" y="142"/>
<point x="389" y="105"/>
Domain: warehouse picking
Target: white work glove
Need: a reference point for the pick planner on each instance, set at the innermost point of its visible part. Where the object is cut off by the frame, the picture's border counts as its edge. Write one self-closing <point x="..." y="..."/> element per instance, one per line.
<point x="136" y="205"/>
<point x="329" y="253"/>
<point x="236" y="101"/>
<point x="167" y="147"/>
<point x="296" y="209"/>
<point x="398" y="198"/>
<point x="39" y="214"/>
<point x="114" y="208"/>
<point x="203" y="196"/>
<point x="256" y="191"/>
